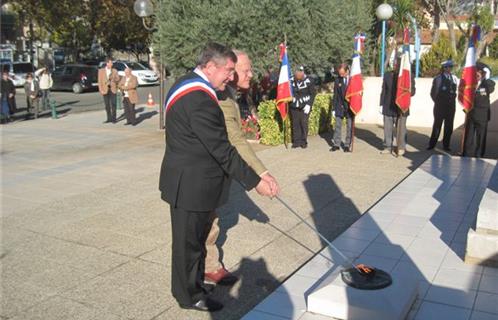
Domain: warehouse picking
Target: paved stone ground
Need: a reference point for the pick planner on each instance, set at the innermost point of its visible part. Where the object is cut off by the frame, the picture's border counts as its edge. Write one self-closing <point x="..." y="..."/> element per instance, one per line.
<point x="85" y="235"/>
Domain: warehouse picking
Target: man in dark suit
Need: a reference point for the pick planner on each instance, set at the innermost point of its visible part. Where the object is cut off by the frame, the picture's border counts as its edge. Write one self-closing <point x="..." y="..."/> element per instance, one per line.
<point x="478" y="117"/>
<point x="341" y="109"/>
<point x="443" y="93"/>
<point x="197" y="167"/>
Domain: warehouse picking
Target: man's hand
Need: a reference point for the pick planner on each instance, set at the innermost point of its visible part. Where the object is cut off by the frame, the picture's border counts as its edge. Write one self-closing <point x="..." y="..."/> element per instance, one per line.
<point x="11" y="95"/>
<point x="272" y="182"/>
<point x="264" y="189"/>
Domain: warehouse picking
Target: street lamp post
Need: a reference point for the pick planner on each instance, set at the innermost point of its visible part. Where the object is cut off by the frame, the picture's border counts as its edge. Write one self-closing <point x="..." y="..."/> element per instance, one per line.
<point x="144" y="9"/>
<point x="384" y="12"/>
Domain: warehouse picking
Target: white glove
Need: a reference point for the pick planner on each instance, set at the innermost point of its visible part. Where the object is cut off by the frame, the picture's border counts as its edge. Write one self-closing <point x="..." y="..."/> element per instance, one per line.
<point x="333" y="113"/>
<point x="380" y="109"/>
<point x="487" y="73"/>
<point x="307" y="109"/>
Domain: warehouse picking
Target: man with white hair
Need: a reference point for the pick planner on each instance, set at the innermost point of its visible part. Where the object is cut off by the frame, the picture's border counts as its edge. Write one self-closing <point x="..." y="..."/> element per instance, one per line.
<point x="215" y="272"/>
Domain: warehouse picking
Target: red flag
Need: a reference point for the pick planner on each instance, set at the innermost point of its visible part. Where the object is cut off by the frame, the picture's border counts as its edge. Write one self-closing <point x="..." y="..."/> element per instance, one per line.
<point x="284" y="89"/>
<point x="354" y="92"/>
<point x="468" y="82"/>
<point x="404" y="85"/>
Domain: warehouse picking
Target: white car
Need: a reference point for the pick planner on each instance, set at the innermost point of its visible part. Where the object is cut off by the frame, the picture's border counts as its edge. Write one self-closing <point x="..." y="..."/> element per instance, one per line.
<point x="144" y="75"/>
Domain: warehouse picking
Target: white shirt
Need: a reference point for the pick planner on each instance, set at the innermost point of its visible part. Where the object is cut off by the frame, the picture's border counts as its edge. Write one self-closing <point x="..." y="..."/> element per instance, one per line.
<point x="126" y="84"/>
<point x="108" y="72"/>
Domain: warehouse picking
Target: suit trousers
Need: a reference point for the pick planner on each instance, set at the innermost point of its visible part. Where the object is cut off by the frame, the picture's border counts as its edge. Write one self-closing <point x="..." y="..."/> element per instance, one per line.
<point x="389" y="124"/>
<point x="212" y="252"/>
<point x="129" y="110"/>
<point x="299" y="121"/>
<point x="338" y="132"/>
<point x="448" y="118"/>
<point x="475" y="139"/>
<point x="401" y="132"/>
<point x="110" y="105"/>
<point x="189" y="233"/>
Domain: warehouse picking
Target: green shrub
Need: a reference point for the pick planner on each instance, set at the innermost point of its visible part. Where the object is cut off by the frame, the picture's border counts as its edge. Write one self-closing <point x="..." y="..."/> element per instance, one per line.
<point x="270" y="122"/>
<point x="439" y="52"/>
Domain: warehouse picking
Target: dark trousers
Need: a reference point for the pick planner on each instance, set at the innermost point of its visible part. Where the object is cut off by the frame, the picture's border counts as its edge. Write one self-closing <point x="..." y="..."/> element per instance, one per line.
<point x="110" y="105"/>
<point x="129" y="110"/>
<point x="299" y="121"/>
<point x="189" y="231"/>
<point x="475" y="139"/>
<point x="338" y="131"/>
<point x="446" y="117"/>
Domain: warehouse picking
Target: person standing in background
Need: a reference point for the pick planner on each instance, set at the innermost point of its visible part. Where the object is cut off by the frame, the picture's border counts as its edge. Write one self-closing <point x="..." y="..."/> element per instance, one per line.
<point x="108" y="80"/>
<point x="31" y="89"/>
<point x="8" y="97"/>
<point x="300" y="108"/>
<point x="443" y="93"/>
<point x="128" y="84"/>
<point x="341" y="110"/>
<point x="478" y="117"/>
<point x="45" y="82"/>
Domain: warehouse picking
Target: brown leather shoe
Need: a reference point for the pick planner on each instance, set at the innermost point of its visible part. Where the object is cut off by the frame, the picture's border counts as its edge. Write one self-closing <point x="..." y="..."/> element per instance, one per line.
<point x="220" y="277"/>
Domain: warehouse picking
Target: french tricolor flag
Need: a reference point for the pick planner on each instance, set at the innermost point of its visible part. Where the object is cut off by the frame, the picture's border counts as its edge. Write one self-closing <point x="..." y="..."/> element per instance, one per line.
<point x="404" y="85"/>
<point x="354" y="92"/>
<point x="468" y="82"/>
<point x="284" y="89"/>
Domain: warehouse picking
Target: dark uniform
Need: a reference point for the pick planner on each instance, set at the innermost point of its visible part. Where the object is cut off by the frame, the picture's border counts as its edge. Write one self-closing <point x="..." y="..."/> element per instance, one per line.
<point x="304" y="95"/>
<point x="443" y="93"/>
<point x="195" y="179"/>
<point x="477" y="121"/>
<point x="342" y="110"/>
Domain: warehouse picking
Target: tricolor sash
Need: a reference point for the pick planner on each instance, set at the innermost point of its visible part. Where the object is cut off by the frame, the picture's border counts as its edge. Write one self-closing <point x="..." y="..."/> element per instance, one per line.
<point x="187" y="86"/>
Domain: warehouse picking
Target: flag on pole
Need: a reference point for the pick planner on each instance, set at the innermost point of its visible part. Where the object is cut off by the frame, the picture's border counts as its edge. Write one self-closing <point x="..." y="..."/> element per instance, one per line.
<point x="354" y="92"/>
<point x="284" y="88"/>
<point x="468" y="82"/>
<point x="359" y="40"/>
<point x="404" y="85"/>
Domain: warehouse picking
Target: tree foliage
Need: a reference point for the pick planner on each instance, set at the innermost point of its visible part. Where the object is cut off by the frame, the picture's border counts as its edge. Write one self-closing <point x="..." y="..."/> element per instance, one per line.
<point x="75" y="26"/>
<point x="319" y="33"/>
<point x="439" y="52"/>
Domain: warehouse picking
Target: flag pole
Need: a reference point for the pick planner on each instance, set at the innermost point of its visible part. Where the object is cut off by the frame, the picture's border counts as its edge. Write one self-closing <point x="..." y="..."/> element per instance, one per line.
<point x="464" y="134"/>
<point x="284" y="126"/>
<point x="286" y="104"/>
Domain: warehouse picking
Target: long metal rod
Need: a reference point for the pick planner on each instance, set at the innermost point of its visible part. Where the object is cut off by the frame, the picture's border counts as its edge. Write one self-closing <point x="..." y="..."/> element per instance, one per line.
<point x="343" y="256"/>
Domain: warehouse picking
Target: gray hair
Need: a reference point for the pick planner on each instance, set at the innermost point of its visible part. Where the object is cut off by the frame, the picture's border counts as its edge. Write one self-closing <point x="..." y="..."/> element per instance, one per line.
<point x="217" y="53"/>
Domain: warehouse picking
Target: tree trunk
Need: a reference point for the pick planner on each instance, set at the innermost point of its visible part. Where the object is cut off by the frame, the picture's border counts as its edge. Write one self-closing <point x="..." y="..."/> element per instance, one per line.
<point x="436" y="25"/>
<point x="451" y="32"/>
<point x="487" y="39"/>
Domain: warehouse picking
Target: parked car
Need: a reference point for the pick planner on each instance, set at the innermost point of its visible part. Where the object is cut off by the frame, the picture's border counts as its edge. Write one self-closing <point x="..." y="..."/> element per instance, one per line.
<point x="75" y="77"/>
<point x="144" y="75"/>
<point x="17" y="71"/>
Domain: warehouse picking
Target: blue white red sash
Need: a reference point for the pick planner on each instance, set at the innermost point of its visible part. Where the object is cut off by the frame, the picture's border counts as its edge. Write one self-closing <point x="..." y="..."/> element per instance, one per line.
<point x="185" y="87"/>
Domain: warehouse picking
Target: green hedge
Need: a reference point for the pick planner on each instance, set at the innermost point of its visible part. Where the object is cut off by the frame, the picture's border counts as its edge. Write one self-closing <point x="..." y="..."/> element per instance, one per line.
<point x="270" y="122"/>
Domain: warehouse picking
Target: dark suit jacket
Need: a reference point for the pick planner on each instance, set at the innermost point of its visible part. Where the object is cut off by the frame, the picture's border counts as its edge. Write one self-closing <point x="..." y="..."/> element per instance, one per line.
<point x="341" y="106"/>
<point x="388" y="94"/>
<point x="199" y="160"/>
<point x="481" y="112"/>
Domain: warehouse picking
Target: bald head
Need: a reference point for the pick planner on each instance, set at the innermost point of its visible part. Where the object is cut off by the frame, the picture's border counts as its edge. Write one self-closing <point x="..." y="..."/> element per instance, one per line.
<point x="243" y="70"/>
